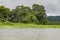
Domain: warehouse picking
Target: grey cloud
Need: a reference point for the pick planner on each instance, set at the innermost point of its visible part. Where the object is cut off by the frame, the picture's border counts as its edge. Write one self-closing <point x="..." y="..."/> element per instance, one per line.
<point x="52" y="6"/>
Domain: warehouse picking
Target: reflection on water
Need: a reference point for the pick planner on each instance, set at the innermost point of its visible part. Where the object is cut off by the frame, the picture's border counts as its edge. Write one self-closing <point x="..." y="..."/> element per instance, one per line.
<point x="30" y="34"/>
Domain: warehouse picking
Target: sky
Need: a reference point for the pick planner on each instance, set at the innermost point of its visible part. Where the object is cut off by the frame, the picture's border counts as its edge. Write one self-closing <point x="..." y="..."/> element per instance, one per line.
<point x="52" y="6"/>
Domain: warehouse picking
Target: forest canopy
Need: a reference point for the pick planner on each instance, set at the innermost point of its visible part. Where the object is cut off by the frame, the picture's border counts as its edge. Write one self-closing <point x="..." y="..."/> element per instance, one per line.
<point x="24" y="14"/>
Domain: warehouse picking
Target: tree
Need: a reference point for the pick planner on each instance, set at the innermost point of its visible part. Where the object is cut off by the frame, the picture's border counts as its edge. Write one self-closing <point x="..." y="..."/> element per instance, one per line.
<point x="19" y="14"/>
<point x="40" y="13"/>
<point x="4" y="13"/>
<point x="25" y="14"/>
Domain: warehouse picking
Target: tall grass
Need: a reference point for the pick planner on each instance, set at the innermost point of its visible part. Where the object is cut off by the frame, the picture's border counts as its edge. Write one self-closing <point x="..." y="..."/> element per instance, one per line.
<point x="21" y="25"/>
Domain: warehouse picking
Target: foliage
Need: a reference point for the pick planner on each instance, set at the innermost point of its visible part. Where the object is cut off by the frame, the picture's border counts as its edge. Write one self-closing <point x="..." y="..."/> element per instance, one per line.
<point x="24" y="14"/>
<point x="22" y="25"/>
<point x="4" y="13"/>
<point x="40" y="13"/>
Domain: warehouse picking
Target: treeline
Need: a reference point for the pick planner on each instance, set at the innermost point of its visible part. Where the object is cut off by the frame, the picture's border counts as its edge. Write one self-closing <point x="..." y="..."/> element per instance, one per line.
<point x="55" y="20"/>
<point x="24" y="14"/>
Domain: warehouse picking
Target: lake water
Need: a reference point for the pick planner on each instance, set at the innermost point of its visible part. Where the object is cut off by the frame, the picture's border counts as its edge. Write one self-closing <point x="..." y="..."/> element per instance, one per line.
<point x="29" y="34"/>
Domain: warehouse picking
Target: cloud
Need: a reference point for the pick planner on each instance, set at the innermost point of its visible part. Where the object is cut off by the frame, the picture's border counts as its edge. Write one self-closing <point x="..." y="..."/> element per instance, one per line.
<point x="52" y="6"/>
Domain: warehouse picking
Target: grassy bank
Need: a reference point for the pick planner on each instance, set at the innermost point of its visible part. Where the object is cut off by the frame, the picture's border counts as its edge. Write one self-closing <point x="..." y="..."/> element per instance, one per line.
<point x="21" y="25"/>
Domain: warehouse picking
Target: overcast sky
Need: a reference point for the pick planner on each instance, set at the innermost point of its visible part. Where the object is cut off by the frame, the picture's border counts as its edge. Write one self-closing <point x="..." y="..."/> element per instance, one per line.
<point x="52" y="6"/>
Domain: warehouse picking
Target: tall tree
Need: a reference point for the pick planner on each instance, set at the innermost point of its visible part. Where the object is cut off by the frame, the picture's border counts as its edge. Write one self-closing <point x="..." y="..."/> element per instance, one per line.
<point x="23" y="14"/>
<point x="27" y="15"/>
<point x="4" y="13"/>
<point x="40" y="13"/>
<point x="19" y="14"/>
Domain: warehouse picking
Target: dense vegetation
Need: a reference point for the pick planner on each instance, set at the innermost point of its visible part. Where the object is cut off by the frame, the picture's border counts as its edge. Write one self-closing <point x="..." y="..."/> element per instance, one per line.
<point x="22" y="25"/>
<point x="24" y="14"/>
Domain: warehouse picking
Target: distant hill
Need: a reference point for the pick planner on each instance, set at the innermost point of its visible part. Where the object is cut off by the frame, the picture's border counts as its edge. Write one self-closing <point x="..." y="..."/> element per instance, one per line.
<point x="53" y="19"/>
